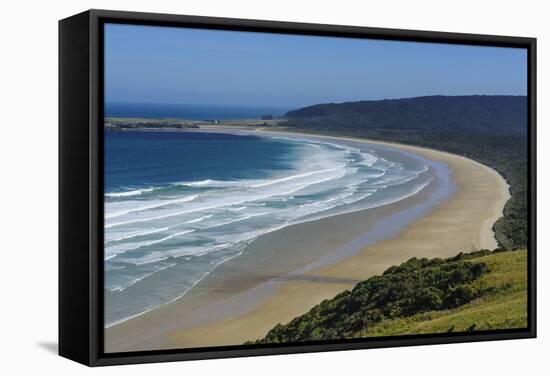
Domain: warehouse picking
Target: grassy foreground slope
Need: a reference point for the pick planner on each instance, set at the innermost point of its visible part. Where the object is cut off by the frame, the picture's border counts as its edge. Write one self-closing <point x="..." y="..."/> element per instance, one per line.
<point x="478" y="291"/>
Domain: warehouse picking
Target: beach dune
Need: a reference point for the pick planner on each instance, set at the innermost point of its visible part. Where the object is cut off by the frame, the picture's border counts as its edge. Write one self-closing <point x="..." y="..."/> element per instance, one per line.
<point x="242" y="299"/>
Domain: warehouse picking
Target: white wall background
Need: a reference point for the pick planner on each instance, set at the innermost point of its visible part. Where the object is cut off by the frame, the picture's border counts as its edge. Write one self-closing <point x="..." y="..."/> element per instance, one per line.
<point x="28" y="189"/>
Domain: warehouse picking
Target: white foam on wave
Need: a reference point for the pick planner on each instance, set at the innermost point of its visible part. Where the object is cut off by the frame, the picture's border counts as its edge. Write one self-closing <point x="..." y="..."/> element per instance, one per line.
<point x="321" y="206"/>
<point x="153" y="231"/>
<point x="391" y="181"/>
<point x="239" y="208"/>
<point x="368" y="159"/>
<point x="197" y="220"/>
<point x="132" y="282"/>
<point x="293" y="177"/>
<point x="376" y="175"/>
<point x="137" y="234"/>
<point x="424" y="169"/>
<point x="117" y="250"/>
<point x="383" y="162"/>
<point x="149" y="207"/>
<point x="224" y="203"/>
<point x="255" y="183"/>
<point x="240" y="219"/>
<point x="212" y="183"/>
<point x="415" y="190"/>
<point x="111" y="267"/>
<point x="112" y="211"/>
<point x="136" y="192"/>
<point x="157" y="256"/>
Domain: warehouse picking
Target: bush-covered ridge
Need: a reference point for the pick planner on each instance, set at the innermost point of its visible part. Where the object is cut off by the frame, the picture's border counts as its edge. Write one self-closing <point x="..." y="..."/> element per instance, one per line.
<point x="504" y="114"/>
<point x="489" y="129"/>
<point x="479" y="290"/>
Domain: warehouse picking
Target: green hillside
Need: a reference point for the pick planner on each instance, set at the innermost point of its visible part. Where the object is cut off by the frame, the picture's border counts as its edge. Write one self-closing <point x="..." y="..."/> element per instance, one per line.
<point x="478" y="291"/>
<point x="503" y="114"/>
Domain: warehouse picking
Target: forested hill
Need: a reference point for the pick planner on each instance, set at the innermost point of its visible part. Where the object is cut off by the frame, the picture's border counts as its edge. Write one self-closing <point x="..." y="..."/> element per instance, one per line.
<point x="475" y="113"/>
<point x="489" y="129"/>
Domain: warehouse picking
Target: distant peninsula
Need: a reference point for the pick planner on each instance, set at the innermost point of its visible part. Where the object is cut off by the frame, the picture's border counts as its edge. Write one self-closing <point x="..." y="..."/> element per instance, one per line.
<point x="119" y="123"/>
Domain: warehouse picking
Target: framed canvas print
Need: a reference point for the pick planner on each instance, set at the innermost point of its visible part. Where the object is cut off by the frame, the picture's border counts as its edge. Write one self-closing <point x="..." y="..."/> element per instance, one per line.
<point x="239" y="187"/>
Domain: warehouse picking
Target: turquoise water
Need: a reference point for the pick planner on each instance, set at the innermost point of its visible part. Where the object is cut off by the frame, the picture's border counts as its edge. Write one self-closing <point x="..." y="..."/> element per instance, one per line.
<point x="178" y="204"/>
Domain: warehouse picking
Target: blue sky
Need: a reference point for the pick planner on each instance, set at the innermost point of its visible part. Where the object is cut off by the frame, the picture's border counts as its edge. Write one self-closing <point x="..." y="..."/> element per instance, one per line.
<point x="175" y="65"/>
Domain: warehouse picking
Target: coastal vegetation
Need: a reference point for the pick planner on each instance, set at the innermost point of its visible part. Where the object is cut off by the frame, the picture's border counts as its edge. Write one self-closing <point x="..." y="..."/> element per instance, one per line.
<point x="136" y="123"/>
<point x="482" y="290"/>
<point x="119" y="123"/>
<point x="489" y="129"/>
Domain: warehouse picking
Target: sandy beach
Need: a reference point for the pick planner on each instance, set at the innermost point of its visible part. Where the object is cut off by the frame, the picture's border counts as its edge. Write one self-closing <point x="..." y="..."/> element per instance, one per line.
<point x="244" y="298"/>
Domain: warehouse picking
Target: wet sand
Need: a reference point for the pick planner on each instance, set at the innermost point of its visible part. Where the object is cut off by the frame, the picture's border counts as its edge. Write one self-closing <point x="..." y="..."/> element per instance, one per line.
<point x="244" y="298"/>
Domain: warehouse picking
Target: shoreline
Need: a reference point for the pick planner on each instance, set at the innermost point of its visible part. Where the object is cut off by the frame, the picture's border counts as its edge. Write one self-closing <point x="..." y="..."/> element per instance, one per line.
<point x="445" y="230"/>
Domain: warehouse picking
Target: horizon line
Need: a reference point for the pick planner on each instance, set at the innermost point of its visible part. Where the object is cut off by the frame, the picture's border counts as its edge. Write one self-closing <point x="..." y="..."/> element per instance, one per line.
<point x="289" y="106"/>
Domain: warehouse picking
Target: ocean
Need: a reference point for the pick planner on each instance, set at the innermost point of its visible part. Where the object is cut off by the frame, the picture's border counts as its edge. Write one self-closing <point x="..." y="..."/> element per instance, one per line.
<point x="190" y="111"/>
<point x="178" y="204"/>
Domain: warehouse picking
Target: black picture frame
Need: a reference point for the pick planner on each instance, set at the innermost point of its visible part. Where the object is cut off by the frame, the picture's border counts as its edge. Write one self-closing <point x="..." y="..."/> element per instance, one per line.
<point x="81" y="185"/>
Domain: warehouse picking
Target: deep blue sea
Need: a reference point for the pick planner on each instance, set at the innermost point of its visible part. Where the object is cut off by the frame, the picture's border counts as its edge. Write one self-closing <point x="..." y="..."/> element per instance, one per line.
<point x="190" y="111"/>
<point x="178" y="204"/>
<point x="137" y="159"/>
